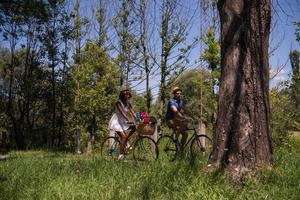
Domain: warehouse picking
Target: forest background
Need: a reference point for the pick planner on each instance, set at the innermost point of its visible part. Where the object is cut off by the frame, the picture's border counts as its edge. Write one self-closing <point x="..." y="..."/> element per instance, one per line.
<point x="63" y="63"/>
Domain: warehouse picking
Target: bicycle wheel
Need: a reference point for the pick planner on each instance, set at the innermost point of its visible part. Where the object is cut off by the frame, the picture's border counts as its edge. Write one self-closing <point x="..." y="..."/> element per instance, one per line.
<point x="201" y="147"/>
<point x="167" y="148"/>
<point x="110" y="148"/>
<point x="145" y="149"/>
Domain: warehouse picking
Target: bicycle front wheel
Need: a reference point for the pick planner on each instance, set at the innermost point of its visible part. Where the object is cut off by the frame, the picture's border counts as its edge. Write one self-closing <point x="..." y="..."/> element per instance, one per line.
<point x="110" y="148"/>
<point x="167" y="148"/>
<point x="201" y="148"/>
<point x="145" y="149"/>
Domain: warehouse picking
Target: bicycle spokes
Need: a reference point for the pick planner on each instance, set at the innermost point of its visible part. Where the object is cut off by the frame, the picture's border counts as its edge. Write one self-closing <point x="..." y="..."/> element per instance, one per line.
<point x="201" y="147"/>
<point x="145" y="149"/>
<point x="167" y="148"/>
<point x="110" y="148"/>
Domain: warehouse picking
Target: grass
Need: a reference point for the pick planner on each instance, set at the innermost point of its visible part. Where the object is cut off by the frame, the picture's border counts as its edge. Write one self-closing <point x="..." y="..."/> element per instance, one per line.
<point x="296" y="135"/>
<point x="52" y="175"/>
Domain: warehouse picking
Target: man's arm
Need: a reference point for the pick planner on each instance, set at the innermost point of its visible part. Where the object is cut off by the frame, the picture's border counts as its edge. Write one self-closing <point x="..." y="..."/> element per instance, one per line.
<point x="176" y="111"/>
<point x="188" y="112"/>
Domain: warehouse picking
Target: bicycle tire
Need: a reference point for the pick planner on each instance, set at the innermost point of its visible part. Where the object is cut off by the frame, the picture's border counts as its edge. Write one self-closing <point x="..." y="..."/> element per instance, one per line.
<point x="145" y="149"/>
<point x="167" y="148"/>
<point x="201" y="148"/>
<point x="110" y="148"/>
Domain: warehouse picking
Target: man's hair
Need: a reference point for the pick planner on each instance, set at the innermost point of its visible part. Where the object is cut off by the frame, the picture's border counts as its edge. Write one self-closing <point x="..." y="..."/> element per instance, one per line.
<point x="176" y="89"/>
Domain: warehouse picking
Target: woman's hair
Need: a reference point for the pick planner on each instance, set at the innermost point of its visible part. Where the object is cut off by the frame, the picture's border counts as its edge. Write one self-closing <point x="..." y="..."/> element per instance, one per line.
<point x="123" y="93"/>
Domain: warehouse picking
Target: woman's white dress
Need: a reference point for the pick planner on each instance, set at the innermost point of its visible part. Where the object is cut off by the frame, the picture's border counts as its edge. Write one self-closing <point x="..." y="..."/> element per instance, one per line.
<point x="118" y="122"/>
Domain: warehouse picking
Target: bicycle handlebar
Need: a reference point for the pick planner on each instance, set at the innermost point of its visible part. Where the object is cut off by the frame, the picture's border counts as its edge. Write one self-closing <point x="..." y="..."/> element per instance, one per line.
<point x="131" y="123"/>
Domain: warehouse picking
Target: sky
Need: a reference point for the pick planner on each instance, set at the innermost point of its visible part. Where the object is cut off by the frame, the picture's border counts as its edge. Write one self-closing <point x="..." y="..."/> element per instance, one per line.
<point x="282" y="37"/>
<point x="286" y="12"/>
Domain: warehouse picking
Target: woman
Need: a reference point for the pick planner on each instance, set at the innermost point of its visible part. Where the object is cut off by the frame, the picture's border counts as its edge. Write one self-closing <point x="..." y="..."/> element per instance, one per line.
<point x="120" y="120"/>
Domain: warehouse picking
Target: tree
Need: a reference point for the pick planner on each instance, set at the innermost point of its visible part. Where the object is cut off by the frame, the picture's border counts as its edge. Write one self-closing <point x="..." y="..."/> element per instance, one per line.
<point x="295" y="84"/>
<point x="124" y="25"/>
<point x="98" y="88"/>
<point x="51" y="39"/>
<point x="242" y="138"/>
<point x="78" y="33"/>
<point x="173" y="34"/>
<point x="297" y="33"/>
<point x="10" y="28"/>
<point x="212" y="56"/>
<point x="282" y="115"/>
<point x="142" y="14"/>
<point x="21" y="25"/>
<point x="102" y="24"/>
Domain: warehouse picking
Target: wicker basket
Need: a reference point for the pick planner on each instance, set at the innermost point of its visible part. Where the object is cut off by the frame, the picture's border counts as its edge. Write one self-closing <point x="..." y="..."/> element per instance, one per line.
<point x="145" y="129"/>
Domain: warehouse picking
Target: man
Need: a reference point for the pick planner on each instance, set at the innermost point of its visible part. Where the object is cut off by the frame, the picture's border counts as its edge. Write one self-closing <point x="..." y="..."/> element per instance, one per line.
<point x="175" y="116"/>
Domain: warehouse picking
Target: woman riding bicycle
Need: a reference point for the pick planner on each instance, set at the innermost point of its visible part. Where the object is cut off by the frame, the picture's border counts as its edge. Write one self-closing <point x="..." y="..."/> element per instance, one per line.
<point x="120" y="122"/>
<point x="175" y="116"/>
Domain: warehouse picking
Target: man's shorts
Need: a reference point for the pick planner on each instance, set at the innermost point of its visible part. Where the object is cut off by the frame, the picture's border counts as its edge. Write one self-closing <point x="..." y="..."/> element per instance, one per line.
<point x="177" y="123"/>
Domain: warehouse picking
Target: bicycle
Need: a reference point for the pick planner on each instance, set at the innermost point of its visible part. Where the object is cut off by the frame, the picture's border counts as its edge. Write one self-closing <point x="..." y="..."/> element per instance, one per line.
<point x="144" y="148"/>
<point x="200" y="147"/>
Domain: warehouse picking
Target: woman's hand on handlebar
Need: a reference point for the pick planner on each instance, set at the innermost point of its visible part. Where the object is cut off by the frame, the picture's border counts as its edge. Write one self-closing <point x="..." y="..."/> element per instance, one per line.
<point x="130" y="123"/>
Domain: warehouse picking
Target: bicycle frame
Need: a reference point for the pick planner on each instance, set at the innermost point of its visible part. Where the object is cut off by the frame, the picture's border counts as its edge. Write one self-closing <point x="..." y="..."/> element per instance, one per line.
<point x="143" y="147"/>
<point x="191" y="138"/>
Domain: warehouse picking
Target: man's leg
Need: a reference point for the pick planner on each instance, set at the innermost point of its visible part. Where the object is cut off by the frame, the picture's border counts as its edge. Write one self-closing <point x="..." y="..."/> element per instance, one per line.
<point x="183" y="131"/>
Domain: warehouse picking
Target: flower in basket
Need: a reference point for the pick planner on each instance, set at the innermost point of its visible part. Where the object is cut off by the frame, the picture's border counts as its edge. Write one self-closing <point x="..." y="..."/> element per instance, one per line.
<point x="144" y="118"/>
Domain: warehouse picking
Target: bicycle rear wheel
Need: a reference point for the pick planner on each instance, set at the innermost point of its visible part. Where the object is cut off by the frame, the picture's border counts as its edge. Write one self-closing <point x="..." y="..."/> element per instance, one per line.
<point x="167" y="148"/>
<point x="110" y="148"/>
<point x="145" y="149"/>
<point x="201" y="148"/>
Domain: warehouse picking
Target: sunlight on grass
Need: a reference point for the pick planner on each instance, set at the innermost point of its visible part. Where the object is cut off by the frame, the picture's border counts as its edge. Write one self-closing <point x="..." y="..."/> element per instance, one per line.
<point x="296" y="135"/>
<point x="54" y="175"/>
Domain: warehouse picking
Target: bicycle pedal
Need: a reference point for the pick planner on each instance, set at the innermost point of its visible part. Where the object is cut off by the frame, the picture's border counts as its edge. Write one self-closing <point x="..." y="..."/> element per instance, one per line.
<point x="176" y="142"/>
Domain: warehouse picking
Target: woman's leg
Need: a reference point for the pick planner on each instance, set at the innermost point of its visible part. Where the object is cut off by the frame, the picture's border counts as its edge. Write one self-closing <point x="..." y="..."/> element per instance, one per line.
<point x="123" y="137"/>
<point x="132" y="130"/>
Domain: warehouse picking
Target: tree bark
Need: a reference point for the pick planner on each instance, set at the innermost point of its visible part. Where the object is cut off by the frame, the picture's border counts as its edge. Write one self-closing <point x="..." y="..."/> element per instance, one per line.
<point x="242" y="137"/>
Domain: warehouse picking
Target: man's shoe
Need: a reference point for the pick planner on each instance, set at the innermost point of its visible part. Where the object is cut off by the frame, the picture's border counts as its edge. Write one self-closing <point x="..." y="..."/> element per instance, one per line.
<point x="177" y="142"/>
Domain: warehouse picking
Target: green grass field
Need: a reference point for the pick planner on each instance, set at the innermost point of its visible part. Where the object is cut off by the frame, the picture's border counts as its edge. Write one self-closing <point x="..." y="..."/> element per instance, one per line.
<point x="49" y="175"/>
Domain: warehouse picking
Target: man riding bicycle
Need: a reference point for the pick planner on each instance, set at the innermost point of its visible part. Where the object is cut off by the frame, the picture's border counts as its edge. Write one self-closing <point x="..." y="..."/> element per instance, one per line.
<point x="176" y="116"/>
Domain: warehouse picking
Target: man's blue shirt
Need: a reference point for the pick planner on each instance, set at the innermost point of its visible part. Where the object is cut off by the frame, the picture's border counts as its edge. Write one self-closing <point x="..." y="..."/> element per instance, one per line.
<point x="173" y="102"/>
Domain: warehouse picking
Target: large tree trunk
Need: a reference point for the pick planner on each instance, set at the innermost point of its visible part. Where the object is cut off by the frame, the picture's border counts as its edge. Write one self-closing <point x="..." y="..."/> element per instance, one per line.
<point x="242" y="138"/>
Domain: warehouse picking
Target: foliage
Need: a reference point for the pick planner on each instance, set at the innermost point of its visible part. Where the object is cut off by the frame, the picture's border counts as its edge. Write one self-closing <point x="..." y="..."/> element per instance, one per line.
<point x="48" y="50"/>
<point x="192" y="82"/>
<point x="52" y="175"/>
<point x="138" y="102"/>
<point x="282" y="116"/>
<point x="295" y="82"/>
<point x="212" y="54"/>
<point x="297" y="33"/>
<point x="175" y="48"/>
<point x="98" y="91"/>
<point x="284" y="102"/>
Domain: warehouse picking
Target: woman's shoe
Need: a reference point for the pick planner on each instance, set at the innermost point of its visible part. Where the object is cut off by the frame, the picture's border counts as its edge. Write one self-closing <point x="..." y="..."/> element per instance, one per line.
<point x="121" y="157"/>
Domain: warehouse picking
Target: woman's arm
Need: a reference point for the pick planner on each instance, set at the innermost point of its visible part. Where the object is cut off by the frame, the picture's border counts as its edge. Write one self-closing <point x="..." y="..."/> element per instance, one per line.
<point x="120" y="109"/>
<point x="131" y="110"/>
